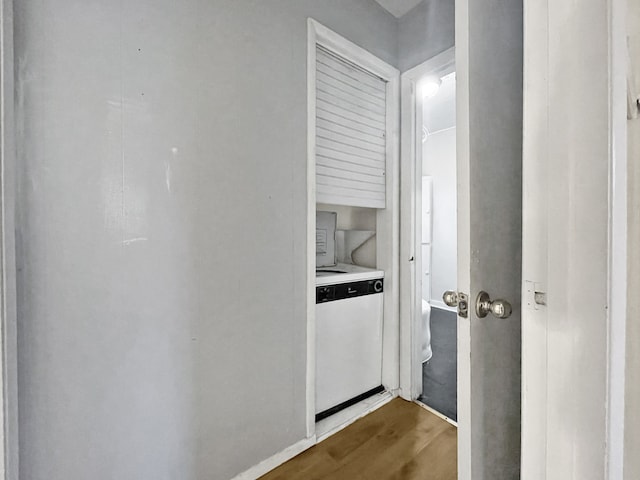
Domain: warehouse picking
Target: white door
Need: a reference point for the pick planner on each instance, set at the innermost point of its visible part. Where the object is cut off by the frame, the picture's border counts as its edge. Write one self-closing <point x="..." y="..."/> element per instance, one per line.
<point x="488" y="63"/>
<point x="489" y="153"/>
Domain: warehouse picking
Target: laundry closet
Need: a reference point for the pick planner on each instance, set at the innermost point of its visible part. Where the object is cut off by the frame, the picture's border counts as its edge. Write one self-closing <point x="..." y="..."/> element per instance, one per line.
<point x="353" y="118"/>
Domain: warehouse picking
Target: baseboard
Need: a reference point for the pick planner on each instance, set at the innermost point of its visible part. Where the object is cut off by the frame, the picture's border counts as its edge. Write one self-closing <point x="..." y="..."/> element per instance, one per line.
<point x="335" y="423"/>
<point x="443" y="306"/>
<point x="437" y="413"/>
<point x="276" y="460"/>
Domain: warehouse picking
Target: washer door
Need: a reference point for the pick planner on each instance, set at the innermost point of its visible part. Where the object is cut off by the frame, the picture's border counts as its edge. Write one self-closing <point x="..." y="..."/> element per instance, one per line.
<point x="348" y="349"/>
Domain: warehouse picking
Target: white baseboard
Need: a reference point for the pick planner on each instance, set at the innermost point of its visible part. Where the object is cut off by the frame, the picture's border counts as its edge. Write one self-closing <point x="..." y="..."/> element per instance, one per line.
<point x="276" y="460"/>
<point x="443" y="306"/>
<point x="325" y="429"/>
<point x="437" y="413"/>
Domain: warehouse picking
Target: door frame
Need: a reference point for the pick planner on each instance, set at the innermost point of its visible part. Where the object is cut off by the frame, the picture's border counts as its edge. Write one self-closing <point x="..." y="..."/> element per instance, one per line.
<point x="8" y="318"/>
<point x="411" y="223"/>
<point x="617" y="232"/>
<point x="387" y="219"/>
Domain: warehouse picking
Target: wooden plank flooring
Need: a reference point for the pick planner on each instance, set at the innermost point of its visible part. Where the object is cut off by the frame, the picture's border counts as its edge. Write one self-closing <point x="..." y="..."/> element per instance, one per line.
<point x="400" y="441"/>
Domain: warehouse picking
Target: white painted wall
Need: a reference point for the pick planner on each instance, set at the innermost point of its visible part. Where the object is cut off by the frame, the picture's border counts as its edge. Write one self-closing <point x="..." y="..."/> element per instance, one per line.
<point x="356" y="218"/>
<point x="425" y="31"/>
<point x="567" y="155"/>
<point x="352" y="218"/>
<point x="632" y="419"/>
<point x="439" y="162"/>
<point x="161" y="231"/>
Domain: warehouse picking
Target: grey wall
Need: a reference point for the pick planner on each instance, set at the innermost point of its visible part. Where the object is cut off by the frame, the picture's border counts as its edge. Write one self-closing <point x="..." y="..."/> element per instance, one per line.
<point x="425" y="31"/>
<point x="632" y="420"/>
<point x="161" y="231"/>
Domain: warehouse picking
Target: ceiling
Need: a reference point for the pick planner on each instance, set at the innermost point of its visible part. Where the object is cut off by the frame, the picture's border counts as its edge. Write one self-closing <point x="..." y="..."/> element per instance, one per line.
<point x="398" y="7"/>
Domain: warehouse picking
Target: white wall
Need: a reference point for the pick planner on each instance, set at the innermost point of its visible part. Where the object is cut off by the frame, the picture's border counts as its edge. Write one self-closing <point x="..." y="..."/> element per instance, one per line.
<point x="632" y="419"/>
<point x="425" y="31"/>
<point x="356" y="218"/>
<point x="567" y="154"/>
<point x="439" y="162"/>
<point x="161" y="231"/>
<point x="351" y="218"/>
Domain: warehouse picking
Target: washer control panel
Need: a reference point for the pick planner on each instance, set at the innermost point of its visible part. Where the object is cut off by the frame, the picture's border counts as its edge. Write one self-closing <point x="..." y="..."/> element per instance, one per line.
<point x="340" y="291"/>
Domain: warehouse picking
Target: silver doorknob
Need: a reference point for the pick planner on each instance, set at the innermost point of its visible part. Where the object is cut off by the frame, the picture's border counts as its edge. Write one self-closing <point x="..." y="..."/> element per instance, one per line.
<point x="499" y="308"/>
<point x="450" y="298"/>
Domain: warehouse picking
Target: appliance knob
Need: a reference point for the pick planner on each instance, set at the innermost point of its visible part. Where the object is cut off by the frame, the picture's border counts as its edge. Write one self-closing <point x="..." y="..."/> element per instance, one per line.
<point x="377" y="286"/>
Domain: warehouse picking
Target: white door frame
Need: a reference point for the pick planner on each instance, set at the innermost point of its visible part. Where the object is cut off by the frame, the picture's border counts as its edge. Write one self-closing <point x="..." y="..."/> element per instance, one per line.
<point x="8" y="323"/>
<point x="387" y="219"/>
<point x="411" y="221"/>
<point x="616" y="365"/>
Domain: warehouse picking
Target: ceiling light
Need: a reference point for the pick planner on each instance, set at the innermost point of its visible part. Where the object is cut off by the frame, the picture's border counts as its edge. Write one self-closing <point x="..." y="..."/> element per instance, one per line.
<point x="430" y="86"/>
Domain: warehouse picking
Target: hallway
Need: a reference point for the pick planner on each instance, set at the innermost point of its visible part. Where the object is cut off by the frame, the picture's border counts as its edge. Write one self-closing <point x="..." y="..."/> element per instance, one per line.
<point x="398" y="441"/>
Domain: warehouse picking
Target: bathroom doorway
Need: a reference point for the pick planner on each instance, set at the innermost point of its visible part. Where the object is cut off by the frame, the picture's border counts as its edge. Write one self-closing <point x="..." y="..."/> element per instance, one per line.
<point x="433" y="214"/>
<point x="438" y="208"/>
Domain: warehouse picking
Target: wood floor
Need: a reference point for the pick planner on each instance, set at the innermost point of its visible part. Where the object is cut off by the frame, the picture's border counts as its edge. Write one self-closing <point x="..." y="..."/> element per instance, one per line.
<point x="400" y="441"/>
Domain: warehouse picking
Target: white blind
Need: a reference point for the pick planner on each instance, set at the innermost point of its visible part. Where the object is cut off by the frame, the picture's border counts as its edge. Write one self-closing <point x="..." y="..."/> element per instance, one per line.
<point x="350" y="133"/>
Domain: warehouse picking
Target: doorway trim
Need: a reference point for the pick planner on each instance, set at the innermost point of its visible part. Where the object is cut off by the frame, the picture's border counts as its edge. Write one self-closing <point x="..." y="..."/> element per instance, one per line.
<point x="411" y="223"/>
<point x="387" y="219"/>
<point x="8" y="321"/>
<point x="618" y="234"/>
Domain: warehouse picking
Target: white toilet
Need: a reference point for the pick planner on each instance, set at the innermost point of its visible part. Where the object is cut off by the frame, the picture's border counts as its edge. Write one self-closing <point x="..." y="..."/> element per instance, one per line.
<point x="426" y="331"/>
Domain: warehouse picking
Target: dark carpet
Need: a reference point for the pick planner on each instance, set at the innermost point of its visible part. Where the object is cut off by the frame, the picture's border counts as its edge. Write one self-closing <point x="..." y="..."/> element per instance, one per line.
<point x="440" y="375"/>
